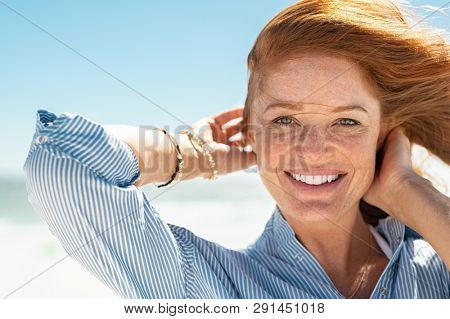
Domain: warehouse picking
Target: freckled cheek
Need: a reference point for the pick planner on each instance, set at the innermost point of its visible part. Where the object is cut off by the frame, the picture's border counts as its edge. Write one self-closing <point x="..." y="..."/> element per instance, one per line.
<point x="360" y="155"/>
<point x="272" y="151"/>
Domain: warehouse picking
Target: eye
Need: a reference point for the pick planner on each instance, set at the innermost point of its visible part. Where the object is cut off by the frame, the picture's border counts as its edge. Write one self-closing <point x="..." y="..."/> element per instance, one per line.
<point x="348" y="122"/>
<point x="283" y="120"/>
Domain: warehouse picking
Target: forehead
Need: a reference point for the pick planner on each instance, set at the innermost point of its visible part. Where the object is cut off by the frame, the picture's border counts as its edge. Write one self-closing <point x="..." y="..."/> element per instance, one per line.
<point x="317" y="79"/>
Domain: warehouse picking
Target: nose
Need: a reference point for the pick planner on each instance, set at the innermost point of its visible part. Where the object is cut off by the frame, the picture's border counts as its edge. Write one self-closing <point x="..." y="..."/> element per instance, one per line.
<point x="312" y="144"/>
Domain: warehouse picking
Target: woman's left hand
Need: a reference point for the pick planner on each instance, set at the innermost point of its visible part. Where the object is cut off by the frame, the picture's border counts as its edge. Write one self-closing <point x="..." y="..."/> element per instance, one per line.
<point x="396" y="168"/>
<point x="410" y="198"/>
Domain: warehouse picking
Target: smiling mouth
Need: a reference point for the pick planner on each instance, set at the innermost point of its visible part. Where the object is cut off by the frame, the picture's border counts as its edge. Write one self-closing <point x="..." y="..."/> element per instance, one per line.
<point x="315" y="180"/>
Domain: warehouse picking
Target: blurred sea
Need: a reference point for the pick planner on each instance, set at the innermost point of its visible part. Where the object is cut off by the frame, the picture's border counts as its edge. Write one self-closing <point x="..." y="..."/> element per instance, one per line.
<point x="231" y="211"/>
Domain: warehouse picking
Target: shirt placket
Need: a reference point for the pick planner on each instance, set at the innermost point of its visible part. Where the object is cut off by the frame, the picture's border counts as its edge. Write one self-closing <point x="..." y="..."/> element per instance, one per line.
<point x="383" y="288"/>
<point x="306" y="262"/>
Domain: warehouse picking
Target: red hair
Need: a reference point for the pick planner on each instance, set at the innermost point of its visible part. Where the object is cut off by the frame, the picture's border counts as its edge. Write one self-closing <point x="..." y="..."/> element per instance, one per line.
<point x="408" y="67"/>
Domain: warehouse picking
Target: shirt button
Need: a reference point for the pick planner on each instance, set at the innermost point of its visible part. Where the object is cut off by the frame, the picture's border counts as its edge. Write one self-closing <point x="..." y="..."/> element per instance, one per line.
<point x="41" y="139"/>
<point x="383" y="291"/>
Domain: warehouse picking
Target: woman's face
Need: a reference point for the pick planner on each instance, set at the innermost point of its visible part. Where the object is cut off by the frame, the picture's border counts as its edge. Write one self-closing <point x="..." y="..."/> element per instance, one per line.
<point x="315" y="119"/>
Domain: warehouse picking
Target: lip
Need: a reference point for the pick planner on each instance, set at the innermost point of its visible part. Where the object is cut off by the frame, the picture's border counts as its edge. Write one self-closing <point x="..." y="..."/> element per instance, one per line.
<point x="322" y="189"/>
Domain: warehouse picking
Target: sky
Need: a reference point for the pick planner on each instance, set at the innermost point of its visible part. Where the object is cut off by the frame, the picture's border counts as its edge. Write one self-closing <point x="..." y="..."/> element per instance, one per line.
<point x="128" y="62"/>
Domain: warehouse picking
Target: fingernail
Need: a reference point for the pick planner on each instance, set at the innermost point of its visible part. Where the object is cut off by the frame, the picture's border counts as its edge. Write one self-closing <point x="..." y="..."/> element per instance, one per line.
<point x="231" y="123"/>
<point x="248" y="148"/>
<point x="235" y="137"/>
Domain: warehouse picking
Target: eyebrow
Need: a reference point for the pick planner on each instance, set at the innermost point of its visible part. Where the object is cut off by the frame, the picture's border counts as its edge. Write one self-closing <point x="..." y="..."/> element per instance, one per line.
<point x="336" y="109"/>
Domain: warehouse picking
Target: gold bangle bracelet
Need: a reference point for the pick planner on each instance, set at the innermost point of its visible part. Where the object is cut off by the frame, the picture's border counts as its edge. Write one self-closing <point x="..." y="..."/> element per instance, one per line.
<point x="206" y="152"/>
<point x="180" y="162"/>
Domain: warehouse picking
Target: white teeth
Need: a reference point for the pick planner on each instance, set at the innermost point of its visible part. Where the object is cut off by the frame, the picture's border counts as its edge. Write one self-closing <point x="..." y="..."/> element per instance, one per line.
<point x="309" y="179"/>
<point x="317" y="180"/>
<point x="314" y="179"/>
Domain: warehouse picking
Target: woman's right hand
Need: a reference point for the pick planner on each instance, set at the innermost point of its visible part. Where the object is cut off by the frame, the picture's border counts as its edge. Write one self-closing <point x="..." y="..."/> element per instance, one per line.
<point x="229" y="156"/>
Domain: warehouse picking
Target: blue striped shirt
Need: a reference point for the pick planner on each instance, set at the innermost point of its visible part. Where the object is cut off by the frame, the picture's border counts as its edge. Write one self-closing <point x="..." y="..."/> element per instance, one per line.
<point x="80" y="181"/>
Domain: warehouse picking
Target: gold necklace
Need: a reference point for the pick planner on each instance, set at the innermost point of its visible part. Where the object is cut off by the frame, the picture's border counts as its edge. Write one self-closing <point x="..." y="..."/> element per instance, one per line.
<point x="362" y="277"/>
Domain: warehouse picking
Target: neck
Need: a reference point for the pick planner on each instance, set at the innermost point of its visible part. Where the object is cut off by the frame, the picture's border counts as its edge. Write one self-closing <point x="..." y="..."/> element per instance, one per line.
<point x="340" y="245"/>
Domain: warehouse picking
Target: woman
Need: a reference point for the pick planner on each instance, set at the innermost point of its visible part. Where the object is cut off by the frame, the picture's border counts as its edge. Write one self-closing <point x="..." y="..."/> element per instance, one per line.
<point x="338" y="90"/>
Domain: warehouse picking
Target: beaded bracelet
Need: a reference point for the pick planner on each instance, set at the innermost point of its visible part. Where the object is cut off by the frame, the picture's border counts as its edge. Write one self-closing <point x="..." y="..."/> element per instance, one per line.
<point x="180" y="162"/>
<point x="205" y="151"/>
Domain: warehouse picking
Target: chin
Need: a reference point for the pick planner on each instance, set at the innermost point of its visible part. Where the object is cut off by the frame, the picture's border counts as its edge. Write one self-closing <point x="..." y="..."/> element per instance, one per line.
<point x="312" y="211"/>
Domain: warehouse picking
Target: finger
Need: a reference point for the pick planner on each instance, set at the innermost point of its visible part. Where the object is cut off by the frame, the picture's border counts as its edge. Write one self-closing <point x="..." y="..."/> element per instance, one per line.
<point x="217" y="134"/>
<point x="233" y="122"/>
<point x="238" y="141"/>
<point x="228" y="115"/>
<point x="404" y="138"/>
<point x="398" y="136"/>
<point x="400" y="146"/>
<point x="231" y="130"/>
<point x="221" y="147"/>
<point x="235" y="137"/>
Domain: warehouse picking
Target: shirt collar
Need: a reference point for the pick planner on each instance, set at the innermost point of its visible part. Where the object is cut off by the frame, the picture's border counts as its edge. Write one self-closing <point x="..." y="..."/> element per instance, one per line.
<point x="287" y="246"/>
<point x="278" y="240"/>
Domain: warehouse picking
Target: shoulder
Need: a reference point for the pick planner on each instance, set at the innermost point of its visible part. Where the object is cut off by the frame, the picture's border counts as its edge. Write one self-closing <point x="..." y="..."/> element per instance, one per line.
<point x="416" y="254"/>
<point x="428" y="267"/>
<point x="422" y="253"/>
